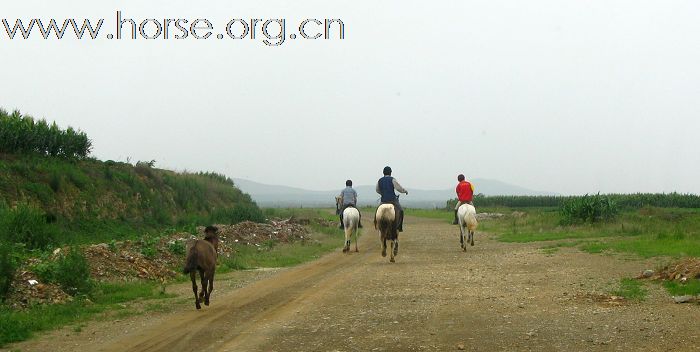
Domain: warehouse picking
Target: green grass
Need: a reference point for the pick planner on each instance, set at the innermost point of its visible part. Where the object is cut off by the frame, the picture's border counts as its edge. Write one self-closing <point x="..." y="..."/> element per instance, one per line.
<point x="692" y="287"/>
<point x="19" y="325"/>
<point x="282" y="255"/>
<point x="631" y="289"/>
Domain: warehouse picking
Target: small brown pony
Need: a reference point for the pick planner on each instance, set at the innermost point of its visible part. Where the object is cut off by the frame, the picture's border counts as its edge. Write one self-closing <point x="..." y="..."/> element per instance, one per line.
<point x="201" y="256"/>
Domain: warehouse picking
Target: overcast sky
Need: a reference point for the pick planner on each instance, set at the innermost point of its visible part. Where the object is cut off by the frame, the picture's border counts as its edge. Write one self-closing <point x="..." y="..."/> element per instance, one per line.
<point x="563" y="96"/>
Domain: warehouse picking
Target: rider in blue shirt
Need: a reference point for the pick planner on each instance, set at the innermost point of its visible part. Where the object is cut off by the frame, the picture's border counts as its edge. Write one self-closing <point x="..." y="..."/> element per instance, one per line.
<point x="386" y="187"/>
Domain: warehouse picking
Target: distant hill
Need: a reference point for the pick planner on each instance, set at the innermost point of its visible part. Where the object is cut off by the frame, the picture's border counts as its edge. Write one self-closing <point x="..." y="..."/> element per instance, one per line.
<point x="284" y="196"/>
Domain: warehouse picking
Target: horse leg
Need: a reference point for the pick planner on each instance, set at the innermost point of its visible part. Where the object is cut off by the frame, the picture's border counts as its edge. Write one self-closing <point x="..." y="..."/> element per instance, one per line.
<point x="383" y="246"/>
<point x="203" y="280"/>
<point x="356" y="250"/>
<point x="346" y="247"/>
<point x="211" y="288"/>
<point x="471" y="238"/>
<point x="391" y="259"/>
<point x="194" y="289"/>
<point x="396" y="246"/>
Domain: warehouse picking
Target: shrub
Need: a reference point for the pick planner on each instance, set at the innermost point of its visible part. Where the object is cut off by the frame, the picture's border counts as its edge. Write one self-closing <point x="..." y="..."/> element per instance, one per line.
<point x="148" y="248"/>
<point x="588" y="209"/>
<point x="8" y="266"/>
<point x="26" y="224"/>
<point x="177" y="247"/>
<point x="239" y="213"/>
<point x="70" y="271"/>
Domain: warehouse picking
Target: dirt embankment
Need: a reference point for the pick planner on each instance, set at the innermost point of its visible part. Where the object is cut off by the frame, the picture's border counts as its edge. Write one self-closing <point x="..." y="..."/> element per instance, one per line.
<point x="149" y="259"/>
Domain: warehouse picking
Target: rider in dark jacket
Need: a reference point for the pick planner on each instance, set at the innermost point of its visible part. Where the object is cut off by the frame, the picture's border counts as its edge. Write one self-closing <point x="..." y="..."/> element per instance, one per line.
<point x="386" y="187"/>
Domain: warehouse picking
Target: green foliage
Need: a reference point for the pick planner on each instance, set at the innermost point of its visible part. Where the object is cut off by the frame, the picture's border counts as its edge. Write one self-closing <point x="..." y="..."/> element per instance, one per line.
<point x="691" y="287"/>
<point x="27" y="225"/>
<point x="177" y="247"/>
<point x="237" y="214"/>
<point x="631" y="289"/>
<point x="19" y="325"/>
<point x="148" y="246"/>
<point x="21" y="134"/>
<point x="85" y="205"/>
<point x="588" y="209"/>
<point x="71" y="271"/>
<point x="8" y="266"/>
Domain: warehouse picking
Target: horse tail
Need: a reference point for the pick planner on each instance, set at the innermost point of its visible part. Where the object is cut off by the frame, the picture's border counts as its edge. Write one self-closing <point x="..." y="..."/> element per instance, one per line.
<point x="386" y="225"/>
<point x="191" y="261"/>
<point x="471" y="221"/>
<point x="470" y="217"/>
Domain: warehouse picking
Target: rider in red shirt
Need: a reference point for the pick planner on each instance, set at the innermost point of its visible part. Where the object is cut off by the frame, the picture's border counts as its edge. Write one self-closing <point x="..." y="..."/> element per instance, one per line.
<point x="465" y="194"/>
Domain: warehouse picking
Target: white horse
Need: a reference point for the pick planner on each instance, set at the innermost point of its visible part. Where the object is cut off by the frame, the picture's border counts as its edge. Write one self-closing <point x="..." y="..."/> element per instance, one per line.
<point x="467" y="218"/>
<point x="351" y="219"/>
<point x="385" y="222"/>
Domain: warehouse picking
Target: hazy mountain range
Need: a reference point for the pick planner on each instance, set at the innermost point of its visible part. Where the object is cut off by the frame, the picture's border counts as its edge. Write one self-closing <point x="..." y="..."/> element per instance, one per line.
<point x="284" y="196"/>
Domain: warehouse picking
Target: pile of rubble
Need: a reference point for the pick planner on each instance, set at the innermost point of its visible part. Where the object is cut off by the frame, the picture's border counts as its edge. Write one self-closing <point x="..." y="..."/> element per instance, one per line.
<point x="158" y="260"/>
<point x="251" y="233"/>
<point x="125" y="261"/>
<point x="682" y="270"/>
<point x="27" y="290"/>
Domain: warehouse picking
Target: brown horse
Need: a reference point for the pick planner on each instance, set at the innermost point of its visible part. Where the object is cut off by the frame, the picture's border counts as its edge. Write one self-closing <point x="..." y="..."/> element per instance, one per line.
<point x="385" y="222"/>
<point x="201" y="256"/>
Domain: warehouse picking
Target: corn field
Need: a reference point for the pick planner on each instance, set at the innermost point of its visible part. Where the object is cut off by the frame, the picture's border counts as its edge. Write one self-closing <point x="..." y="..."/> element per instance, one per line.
<point x="588" y="209"/>
<point x="636" y="200"/>
<point x="21" y="134"/>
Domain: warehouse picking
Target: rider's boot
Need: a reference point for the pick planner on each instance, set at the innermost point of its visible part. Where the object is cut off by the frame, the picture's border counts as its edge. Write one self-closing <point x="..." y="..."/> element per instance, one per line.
<point x="341" y="221"/>
<point x="400" y="227"/>
<point x="455" y="222"/>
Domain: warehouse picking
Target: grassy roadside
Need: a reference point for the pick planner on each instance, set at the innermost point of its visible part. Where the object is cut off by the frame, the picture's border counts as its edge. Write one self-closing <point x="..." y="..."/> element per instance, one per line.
<point x="20" y="325"/>
<point x="115" y="299"/>
<point x="647" y="233"/>
<point x="281" y="255"/>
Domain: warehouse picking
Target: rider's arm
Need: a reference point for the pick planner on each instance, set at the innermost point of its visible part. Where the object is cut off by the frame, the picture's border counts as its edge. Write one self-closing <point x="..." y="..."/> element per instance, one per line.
<point x="398" y="187"/>
<point x="377" y="188"/>
<point x="354" y="197"/>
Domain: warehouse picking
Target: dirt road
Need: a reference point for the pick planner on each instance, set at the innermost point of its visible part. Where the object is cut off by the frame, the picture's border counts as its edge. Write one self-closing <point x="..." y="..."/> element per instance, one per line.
<point x="494" y="297"/>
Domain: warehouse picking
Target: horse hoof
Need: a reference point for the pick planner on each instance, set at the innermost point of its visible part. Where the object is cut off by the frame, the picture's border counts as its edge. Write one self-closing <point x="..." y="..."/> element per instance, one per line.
<point x="392" y="260"/>
<point x="198" y="306"/>
<point x="357" y="250"/>
<point x="383" y="253"/>
<point x="464" y="249"/>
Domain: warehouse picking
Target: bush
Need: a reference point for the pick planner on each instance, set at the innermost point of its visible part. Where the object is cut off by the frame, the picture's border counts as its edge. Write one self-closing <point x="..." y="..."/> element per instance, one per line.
<point x="177" y="247"/>
<point x="8" y="266"/>
<point x="588" y="209"/>
<point x="148" y="248"/>
<point x="70" y="271"/>
<point x="239" y="213"/>
<point x="27" y="225"/>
